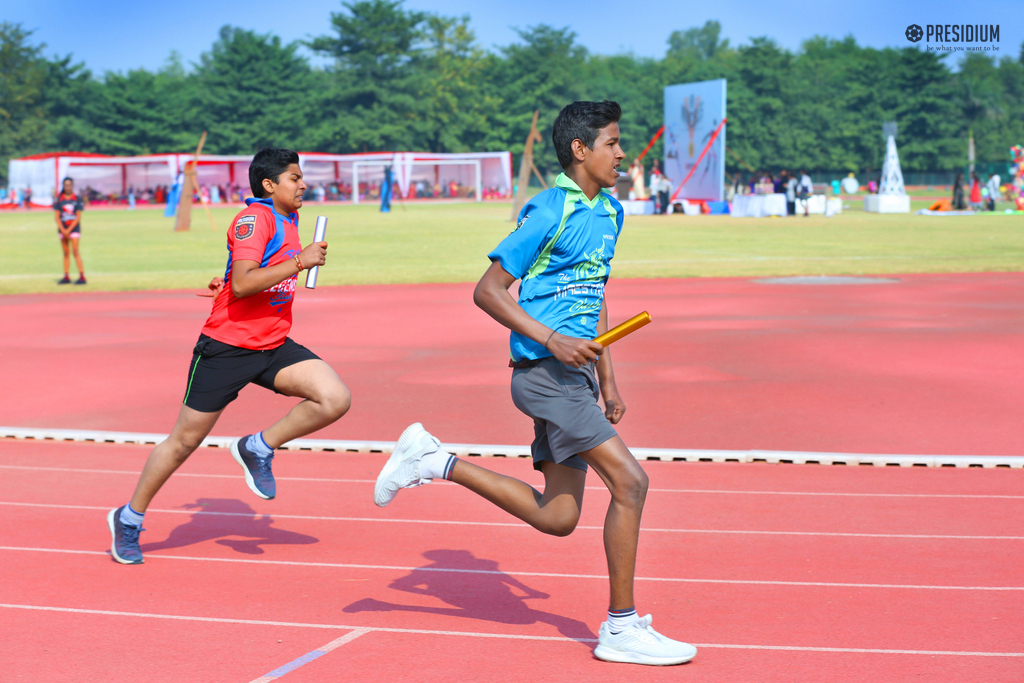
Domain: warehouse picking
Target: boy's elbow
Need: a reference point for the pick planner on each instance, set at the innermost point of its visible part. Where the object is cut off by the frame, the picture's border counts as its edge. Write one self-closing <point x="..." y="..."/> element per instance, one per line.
<point x="480" y="295"/>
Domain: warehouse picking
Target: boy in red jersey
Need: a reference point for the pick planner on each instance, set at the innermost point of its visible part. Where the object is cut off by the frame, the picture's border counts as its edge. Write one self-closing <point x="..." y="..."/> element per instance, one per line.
<point x="245" y="340"/>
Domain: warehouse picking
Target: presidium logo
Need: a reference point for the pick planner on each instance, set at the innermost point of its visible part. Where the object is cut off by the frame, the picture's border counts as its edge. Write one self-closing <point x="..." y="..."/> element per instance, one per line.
<point x="956" y="37"/>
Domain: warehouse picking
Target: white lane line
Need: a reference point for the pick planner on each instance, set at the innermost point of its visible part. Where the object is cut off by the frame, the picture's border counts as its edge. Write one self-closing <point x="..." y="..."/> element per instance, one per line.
<point x="446" y="570"/>
<point x="798" y="648"/>
<point x="505" y="636"/>
<point x="310" y="656"/>
<point x="522" y="525"/>
<point x="589" y="488"/>
<point x="256" y="622"/>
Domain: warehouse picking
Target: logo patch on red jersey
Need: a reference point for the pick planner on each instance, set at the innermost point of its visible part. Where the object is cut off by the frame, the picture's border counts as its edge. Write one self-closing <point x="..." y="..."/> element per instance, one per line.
<point x="245" y="227"/>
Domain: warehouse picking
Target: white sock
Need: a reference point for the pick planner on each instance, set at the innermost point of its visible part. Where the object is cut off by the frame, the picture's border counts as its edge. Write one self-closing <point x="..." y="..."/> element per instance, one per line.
<point x="437" y="465"/>
<point x="621" y="619"/>
<point x="258" y="447"/>
<point x="131" y="517"/>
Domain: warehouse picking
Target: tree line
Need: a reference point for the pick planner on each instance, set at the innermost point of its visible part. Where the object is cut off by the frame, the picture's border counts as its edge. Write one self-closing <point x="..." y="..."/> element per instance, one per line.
<point x="398" y="79"/>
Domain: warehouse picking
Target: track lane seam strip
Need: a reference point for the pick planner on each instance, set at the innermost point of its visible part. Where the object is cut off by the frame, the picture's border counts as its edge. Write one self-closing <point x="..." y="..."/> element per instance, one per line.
<point x="521" y="451"/>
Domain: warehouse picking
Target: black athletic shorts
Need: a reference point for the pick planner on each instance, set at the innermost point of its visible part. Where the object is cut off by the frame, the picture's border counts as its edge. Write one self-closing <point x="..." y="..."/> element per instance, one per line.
<point x="219" y="371"/>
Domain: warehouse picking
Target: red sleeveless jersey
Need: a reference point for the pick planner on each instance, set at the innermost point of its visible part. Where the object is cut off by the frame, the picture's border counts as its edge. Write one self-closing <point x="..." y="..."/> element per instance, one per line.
<point x="261" y="321"/>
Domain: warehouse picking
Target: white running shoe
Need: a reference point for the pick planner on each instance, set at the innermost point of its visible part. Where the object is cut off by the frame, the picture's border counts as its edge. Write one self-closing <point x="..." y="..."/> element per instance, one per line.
<point x="641" y="644"/>
<point x="402" y="470"/>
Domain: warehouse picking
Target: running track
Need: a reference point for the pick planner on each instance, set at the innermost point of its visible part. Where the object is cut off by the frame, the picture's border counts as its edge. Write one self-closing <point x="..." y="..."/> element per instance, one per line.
<point x="777" y="573"/>
<point x="930" y="364"/>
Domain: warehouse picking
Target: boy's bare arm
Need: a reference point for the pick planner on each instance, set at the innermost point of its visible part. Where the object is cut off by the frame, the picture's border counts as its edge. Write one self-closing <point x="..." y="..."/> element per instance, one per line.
<point x="614" y="408"/>
<point x="492" y="295"/>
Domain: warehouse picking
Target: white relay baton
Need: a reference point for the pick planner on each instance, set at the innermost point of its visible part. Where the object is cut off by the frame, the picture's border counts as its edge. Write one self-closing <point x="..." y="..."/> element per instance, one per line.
<point x="318" y="236"/>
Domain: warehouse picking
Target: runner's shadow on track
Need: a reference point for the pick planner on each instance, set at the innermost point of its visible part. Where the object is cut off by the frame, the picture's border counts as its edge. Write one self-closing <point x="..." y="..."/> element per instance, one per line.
<point x="479" y="591"/>
<point x="223" y="520"/>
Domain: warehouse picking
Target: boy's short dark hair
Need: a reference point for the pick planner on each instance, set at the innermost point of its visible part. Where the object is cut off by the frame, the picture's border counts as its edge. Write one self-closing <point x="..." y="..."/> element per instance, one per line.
<point x="581" y="121"/>
<point x="270" y="163"/>
<point x="67" y="179"/>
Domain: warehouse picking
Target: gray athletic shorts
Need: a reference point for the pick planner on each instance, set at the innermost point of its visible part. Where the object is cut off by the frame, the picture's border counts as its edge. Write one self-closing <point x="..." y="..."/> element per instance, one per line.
<point x="563" y="404"/>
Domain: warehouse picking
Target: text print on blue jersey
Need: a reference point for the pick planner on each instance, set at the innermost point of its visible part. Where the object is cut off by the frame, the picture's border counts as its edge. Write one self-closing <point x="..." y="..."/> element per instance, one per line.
<point x="561" y="252"/>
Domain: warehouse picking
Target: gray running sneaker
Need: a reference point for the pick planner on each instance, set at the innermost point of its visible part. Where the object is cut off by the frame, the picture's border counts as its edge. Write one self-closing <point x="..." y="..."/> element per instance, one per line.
<point x="125" y="546"/>
<point x="638" y="643"/>
<point x="258" y="475"/>
<point x="402" y="470"/>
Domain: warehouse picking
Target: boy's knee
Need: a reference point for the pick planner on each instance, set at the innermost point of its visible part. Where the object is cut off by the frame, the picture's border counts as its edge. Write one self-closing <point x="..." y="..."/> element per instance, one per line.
<point x="560" y="526"/>
<point x="337" y="403"/>
<point x="183" y="446"/>
<point x="633" y="489"/>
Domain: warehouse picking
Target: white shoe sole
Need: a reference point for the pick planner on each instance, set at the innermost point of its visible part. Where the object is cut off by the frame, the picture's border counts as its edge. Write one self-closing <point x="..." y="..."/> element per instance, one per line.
<point x="380" y="495"/>
<point x="245" y="470"/>
<point x="612" y="655"/>
<point x="113" y="539"/>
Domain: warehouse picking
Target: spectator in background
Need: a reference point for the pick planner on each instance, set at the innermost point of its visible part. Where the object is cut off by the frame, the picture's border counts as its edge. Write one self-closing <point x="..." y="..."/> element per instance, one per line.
<point x="652" y="187"/>
<point x="68" y="212"/>
<point x="959" y="201"/>
<point x="779" y="186"/>
<point x="131" y="198"/>
<point x="993" y="190"/>
<point x="28" y="197"/>
<point x="975" y="192"/>
<point x="804" y="190"/>
<point x="664" y="188"/>
<point x="791" y="195"/>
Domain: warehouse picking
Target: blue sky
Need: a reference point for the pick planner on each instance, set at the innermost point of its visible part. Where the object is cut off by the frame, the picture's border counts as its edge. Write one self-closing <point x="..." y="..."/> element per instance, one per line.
<point x="117" y="35"/>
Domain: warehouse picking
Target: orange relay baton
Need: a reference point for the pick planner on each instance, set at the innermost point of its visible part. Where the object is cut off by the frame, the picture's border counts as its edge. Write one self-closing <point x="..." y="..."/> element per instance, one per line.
<point x="620" y="331"/>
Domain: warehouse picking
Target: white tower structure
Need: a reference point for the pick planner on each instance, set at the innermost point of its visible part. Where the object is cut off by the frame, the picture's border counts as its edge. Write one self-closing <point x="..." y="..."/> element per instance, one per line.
<point x="892" y="195"/>
<point x="892" y="176"/>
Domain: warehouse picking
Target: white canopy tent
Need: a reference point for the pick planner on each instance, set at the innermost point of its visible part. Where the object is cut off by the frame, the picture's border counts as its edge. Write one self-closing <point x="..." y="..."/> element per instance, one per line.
<point x="113" y="175"/>
<point x="478" y="170"/>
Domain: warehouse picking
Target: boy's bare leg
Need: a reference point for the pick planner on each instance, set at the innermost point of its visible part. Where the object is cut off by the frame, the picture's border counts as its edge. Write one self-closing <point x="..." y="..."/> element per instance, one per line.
<point x="189" y="431"/>
<point x="327" y="399"/>
<point x="627" y="482"/>
<point x="67" y="253"/>
<point x="555" y="512"/>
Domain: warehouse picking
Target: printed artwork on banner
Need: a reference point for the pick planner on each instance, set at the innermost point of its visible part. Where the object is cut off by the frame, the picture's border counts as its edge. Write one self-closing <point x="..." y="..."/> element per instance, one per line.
<point x="692" y="113"/>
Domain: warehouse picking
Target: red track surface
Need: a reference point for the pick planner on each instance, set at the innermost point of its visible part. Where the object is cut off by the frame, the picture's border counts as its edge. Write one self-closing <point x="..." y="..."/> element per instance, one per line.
<point x="928" y="365"/>
<point x="716" y="537"/>
<point x="778" y="573"/>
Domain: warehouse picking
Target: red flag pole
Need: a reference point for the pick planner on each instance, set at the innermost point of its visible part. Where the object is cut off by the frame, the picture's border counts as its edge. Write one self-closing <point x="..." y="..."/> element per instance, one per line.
<point x="714" y="136"/>
<point x="651" y="143"/>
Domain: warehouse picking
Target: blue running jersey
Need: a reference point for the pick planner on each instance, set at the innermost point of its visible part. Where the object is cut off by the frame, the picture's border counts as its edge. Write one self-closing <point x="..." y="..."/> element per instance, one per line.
<point x="561" y="251"/>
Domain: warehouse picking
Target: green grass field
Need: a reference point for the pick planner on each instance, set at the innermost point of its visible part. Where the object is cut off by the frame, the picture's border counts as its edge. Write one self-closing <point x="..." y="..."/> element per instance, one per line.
<point x="125" y="250"/>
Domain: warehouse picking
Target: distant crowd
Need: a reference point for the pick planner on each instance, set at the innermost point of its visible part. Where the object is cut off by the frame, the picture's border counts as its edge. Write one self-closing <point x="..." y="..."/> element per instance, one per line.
<point x="237" y="194"/>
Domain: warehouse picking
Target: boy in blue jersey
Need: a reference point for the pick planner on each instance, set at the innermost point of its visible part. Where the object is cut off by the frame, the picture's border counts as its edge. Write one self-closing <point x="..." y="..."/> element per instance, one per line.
<point x="560" y="252"/>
